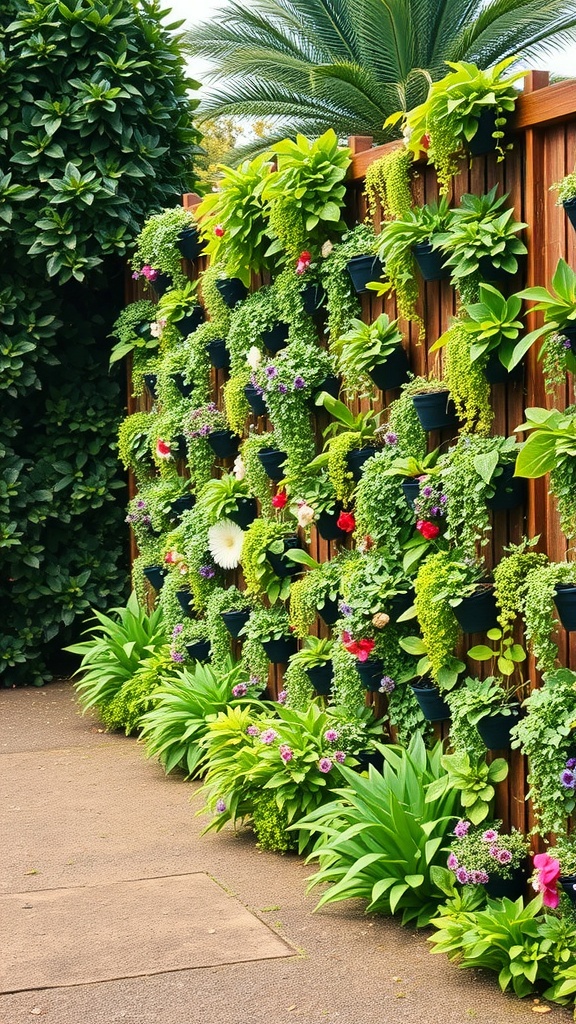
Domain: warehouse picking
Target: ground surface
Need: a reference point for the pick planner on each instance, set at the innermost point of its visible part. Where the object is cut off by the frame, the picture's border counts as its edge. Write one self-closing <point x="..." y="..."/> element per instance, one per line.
<point x="84" y="812"/>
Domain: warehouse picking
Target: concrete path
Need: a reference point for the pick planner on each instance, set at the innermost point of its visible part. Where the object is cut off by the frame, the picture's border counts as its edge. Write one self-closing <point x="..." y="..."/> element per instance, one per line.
<point x="109" y="893"/>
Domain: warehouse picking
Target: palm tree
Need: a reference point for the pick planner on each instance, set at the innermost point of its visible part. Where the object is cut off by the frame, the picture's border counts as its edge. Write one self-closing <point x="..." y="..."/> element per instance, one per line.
<point x="308" y="65"/>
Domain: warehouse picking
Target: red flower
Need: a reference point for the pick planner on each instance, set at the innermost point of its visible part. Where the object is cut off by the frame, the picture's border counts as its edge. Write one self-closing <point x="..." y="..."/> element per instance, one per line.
<point x="425" y="141"/>
<point x="548" y="871"/>
<point x="428" y="530"/>
<point x="304" y="261"/>
<point x="163" y="450"/>
<point x="279" y="500"/>
<point x="346" y="522"/>
<point x="219" y="231"/>
<point x="365" y="648"/>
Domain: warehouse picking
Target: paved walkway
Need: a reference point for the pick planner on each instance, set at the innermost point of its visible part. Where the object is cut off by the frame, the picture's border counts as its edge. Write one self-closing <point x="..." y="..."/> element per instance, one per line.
<point x="200" y="930"/>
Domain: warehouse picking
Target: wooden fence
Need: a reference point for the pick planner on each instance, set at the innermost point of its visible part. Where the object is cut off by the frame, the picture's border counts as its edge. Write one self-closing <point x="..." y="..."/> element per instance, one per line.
<point x="544" y="135"/>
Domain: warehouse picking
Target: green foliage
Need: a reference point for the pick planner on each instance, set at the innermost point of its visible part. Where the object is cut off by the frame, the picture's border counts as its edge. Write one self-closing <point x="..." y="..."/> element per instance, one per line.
<point x="466" y="381"/>
<point x="437" y="621"/>
<point x="380" y="838"/>
<point x="473" y="779"/>
<point x="258" y="573"/>
<point x="135" y="696"/>
<point x="469" y="473"/>
<point x="559" y="304"/>
<point x="493" y="327"/>
<point x="539" y="590"/>
<point x="378" y="491"/>
<point x="270" y="824"/>
<point x="308" y="594"/>
<point x="256" y="476"/>
<point x="551" y="448"/>
<point x="132" y="330"/>
<point x="365" y="346"/>
<point x="342" y="304"/>
<point x="387" y="184"/>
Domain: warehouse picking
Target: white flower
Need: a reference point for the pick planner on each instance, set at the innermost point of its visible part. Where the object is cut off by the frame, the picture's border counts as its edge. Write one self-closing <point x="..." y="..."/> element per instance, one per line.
<point x="254" y="357"/>
<point x="156" y="328"/>
<point x="305" y="514"/>
<point x="225" y="540"/>
<point x="239" y="469"/>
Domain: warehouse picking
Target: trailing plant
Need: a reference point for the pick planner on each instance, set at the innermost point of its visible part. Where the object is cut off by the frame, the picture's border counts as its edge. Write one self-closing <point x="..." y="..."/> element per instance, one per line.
<point x="387" y="184"/>
<point x="378" y="490"/>
<point x="136" y="695"/>
<point x="235" y="401"/>
<point x="254" y="473"/>
<point x="510" y="575"/>
<point x="466" y="381"/>
<point x="403" y="422"/>
<point x="539" y="592"/>
<point x="132" y="330"/>
<point x="264" y="535"/>
<point x="134" y="445"/>
<point x="436" y="619"/>
<point x="156" y="244"/>
<point x="551" y="448"/>
<point x="309" y="593"/>
<point x="342" y="304"/>
<point x="187" y="555"/>
<point x="222" y="600"/>
<point x="213" y="302"/>
<point x="345" y="433"/>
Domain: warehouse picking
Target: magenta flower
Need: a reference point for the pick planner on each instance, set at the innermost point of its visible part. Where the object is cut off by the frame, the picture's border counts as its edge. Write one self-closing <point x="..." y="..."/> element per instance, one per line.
<point x="220" y="806"/>
<point x="286" y="753"/>
<point x="325" y="765"/>
<point x="340" y="756"/>
<point x="176" y="656"/>
<point x="240" y="690"/>
<point x="452" y="861"/>
<point x="331" y="735"/>
<point x="462" y="828"/>
<point x="268" y="736"/>
<point x="504" y="856"/>
<point x="253" y="730"/>
<point x="490" y="835"/>
<point x="462" y="876"/>
<point x="282" y="697"/>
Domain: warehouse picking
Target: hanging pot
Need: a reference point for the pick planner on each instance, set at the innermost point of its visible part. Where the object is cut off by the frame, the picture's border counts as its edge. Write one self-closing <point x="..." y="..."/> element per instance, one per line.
<point x="161" y="285"/>
<point x="276" y="338"/>
<point x="432" y="704"/>
<point x="512" y="888"/>
<point x="321" y="678"/>
<point x="495" y="729"/>
<point x="569" y="332"/>
<point x="483" y="140"/>
<point x="313" y="298"/>
<point x="370" y="672"/>
<point x="235" y="621"/>
<point x="189" y="243"/>
<point x="400" y="603"/>
<point x="356" y="458"/>
<point x="279" y="651"/>
<point x="200" y="651"/>
<point x="326" y="524"/>
<point x="150" y="382"/>
<point x="245" y="513"/>
<point x="329" y="613"/>
<point x="218" y="354"/>
<point x="496" y="373"/>
<point x="155" y="575"/>
<point x="143" y="330"/>
<point x="181" y="385"/>
<point x="331" y="384"/>
<point x="362" y="270"/>
<point x="255" y="400"/>
<point x="232" y="290"/>
<point x="184" y="597"/>
<point x="272" y="462"/>
<point x="565" y="601"/>
<point x="478" y="612"/>
<point x="393" y="372"/>
<point x="224" y="443"/>
<point x="568" y="883"/>
<point x="488" y="272"/>
<point x="510" y="490"/>
<point x="179" y="447"/>
<point x="435" y="410"/>
<point x="570" y="208"/>
<point x="430" y="262"/>
<point x="188" y="324"/>
<point x="411" y="488"/>
<point x="369" y="757"/>
<point x="280" y="565"/>
<point x="183" y="504"/>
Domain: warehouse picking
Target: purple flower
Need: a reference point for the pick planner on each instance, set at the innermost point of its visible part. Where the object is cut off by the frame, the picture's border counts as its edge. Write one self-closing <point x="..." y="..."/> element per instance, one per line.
<point x="426" y="491"/>
<point x="282" y="389"/>
<point x="344" y="609"/>
<point x="568" y="779"/>
<point x="268" y="736"/>
<point x="387" y="684"/>
<point x="390" y="437"/>
<point x="253" y="730"/>
<point x="176" y="656"/>
<point x="146" y="521"/>
<point x="566" y="343"/>
<point x="462" y="876"/>
<point x="271" y="372"/>
<point x="452" y="861"/>
<point x="282" y="697"/>
<point x="490" y="835"/>
<point x="325" y="765"/>
<point x="443" y="499"/>
<point x="331" y="735"/>
<point x="220" y="806"/>
<point x="240" y="690"/>
<point x="484" y="877"/>
<point x="299" y="383"/>
<point x="140" y="504"/>
<point x="504" y="856"/>
<point x="286" y="753"/>
<point x="135" y="275"/>
<point x="461" y="828"/>
<point x="254" y="681"/>
<point x="434" y="511"/>
<point x="340" y="756"/>
<point x="571" y="762"/>
<point x="476" y="877"/>
<point x="207" y="572"/>
<point x="177" y="629"/>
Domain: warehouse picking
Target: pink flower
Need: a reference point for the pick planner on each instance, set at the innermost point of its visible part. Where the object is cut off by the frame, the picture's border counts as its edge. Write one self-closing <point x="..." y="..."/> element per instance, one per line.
<point x="163" y="450"/>
<point x="304" y="261"/>
<point x="547" y="874"/>
<point x="340" y="756"/>
<point x="490" y="835"/>
<point x="428" y="530"/>
<point x="461" y="828"/>
<point x="149" y="273"/>
<point x="331" y="735"/>
<point x="346" y="522"/>
<point x="324" y="765"/>
<point x="219" y="231"/>
<point x="452" y="861"/>
<point x="268" y="736"/>
<point x="286" y="752"/>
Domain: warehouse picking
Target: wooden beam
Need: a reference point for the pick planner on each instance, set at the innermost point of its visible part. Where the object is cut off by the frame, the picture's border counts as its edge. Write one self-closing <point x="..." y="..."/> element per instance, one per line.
<point x="540" y="107"/>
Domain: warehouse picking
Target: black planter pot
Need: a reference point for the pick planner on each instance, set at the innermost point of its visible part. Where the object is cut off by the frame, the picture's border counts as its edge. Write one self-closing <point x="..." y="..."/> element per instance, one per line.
<point x="331" y="384"/>
<point x="245" y="513"/>
<point x="224" y="443"/>
<point x="430" y="262"/>
<point x="393" y="372"/>
<point x="512" y="887"/>
<point x="161" y="285"/>
<point x="477" y="613"/>
<point x="313" y="299"/>
<point x="184" y="598"/>
<point x="400" y="603"/>
<point x="495" y="729"/>
<point x="565" y="601"/>
<point x="356" y="459"/>
<point x="326" y="525"/>
<point x="483" y="141"/>
<point x="282" y="566"/>
<point x="321" y="678"/>
<point x="570" y="208"/>
<point x="255" y="400"/>
<point x="276" y="338"/>
<point x="179" y="447"/>
<point x="330" y="612"/>
<point x="496" y="373"/>
<point x="488" y="272"/>
<point x="435" y="410"/>
<point x="150" y="382"/>
<point x="200" y="651"/>
<point x="510" y="490"/>
<point x="235" y="621"/>
<point x="432" y="704"/>
<point x="279" y="651"/>
<point x="370" y="672"/>
<point x="218" y="354"/>
<point x="183" y="504"/>
<point x="181" y="385"/>
<point x="570" y="334"/>
<point x="362" y="270"/>
<point x="272" y="462"/>
<point x="188" y="324"/>
<point x="367" y="758"/>
<point x="411" y="490"/>
<point x="155" y="575"/>
<point x="143" y="330"/>
<point x="568" y="883"/>
<point x="232" y="291"/>
<point x="189" y="244"/>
